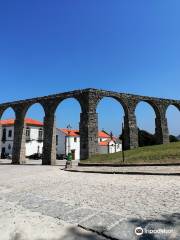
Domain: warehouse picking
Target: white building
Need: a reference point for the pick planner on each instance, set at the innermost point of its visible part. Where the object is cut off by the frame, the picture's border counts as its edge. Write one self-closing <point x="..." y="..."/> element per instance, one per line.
<point x="34" y="136"/>
<point x="67" y="141"/>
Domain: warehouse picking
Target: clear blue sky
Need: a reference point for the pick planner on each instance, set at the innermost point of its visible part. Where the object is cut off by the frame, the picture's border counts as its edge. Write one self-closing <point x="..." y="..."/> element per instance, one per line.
<point x="127" y="46"/>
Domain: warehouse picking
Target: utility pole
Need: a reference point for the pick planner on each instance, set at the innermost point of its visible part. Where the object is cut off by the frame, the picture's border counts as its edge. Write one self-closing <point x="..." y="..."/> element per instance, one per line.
<point x="69" y="131"/>
<point x="69" y="156"/>
<point x="123" y="157"/>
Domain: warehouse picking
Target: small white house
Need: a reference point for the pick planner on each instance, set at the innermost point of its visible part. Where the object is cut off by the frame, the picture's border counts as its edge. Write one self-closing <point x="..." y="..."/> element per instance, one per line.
<point x="109" y="146"/>
<point x="107" y="143"/>
<point x="34" y="136"/>
<point x="68" y="141"/>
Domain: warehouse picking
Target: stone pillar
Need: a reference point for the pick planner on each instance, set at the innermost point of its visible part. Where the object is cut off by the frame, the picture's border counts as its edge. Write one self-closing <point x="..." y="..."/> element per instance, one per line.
<point x="162" y="132"/>
<point x="88" y="134"/>
<point x="130" y="131"/>
<point x="18" y="153"/>
<point x="49" y="142"/>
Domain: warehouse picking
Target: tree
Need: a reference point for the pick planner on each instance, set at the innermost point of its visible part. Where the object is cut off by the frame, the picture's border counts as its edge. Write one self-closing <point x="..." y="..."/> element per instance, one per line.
<point x="172" y="138"/>
<point x="144" y="138"/>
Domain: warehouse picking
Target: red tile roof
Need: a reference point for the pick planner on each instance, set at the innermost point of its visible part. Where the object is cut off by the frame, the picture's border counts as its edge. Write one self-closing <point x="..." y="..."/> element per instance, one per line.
<point x="71" y="133"/>
<point x="104" y="143"/>
<point x="7" y="122"/>
<point x="102" y="134"/>
<point x="28" y="121"/>
<point x="75" y="133"/>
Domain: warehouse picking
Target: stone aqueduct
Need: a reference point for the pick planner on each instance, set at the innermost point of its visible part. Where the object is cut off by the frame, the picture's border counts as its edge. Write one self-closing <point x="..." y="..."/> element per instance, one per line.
<point x="88" y="100"/>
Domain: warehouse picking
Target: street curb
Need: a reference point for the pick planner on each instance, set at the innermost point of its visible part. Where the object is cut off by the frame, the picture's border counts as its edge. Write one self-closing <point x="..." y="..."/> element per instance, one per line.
<point x="127" y="173"/>
<point x="126" y="165"/>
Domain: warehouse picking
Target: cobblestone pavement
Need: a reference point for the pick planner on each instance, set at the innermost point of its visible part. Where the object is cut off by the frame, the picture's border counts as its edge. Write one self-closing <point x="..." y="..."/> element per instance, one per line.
<point x="111" y="205"/>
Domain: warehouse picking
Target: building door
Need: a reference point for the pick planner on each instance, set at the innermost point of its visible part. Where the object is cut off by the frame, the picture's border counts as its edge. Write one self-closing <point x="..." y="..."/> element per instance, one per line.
<point x="73" y="154"/>
<point x="3" y="152"/>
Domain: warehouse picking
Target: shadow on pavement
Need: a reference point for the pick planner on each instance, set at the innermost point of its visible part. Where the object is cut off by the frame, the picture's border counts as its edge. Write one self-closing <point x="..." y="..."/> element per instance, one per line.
<point x="124" y="231"/>
<point x="169" y="223"/>
<point x="72" y="233"/>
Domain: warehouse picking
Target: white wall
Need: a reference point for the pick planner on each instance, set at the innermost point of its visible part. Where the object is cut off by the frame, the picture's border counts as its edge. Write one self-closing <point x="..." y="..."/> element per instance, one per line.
<point x="111" y="148"/>
<point x="118" y="147"/>
<point x="31" y="146"/>
<point x="8" y="144"/>
<point x="34" y="145"/>
<point x="8" y="147"/>
<point x="115" y="147"/>
<point x="67" y="143"/>
<point x="73" y="146"/>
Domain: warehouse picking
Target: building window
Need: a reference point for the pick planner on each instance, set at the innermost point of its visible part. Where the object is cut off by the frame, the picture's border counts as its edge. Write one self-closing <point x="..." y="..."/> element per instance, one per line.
<point x="4" y="135"/>
<point x="27" y="134"/>
<point x="40" y="134"/>
<point x="9" y="146"/>
<point x="56" y="139"/>
<point x="75" y="139"/>
<point x="10" y="133"/>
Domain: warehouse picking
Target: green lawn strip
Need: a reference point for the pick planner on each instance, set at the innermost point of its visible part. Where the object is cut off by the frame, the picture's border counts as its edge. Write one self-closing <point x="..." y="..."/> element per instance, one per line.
<point x="167" y="153"/>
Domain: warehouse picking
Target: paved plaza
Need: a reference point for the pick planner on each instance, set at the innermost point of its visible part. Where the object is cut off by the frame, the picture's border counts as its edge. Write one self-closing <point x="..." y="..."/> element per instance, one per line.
<point x="46" y="203"/>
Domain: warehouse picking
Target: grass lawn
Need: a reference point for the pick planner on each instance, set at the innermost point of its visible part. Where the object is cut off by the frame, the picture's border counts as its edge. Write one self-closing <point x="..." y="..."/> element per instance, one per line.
<point x="167" y="153"/>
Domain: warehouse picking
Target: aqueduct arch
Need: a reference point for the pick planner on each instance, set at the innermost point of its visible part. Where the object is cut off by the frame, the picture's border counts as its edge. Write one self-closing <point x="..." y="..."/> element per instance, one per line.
<point x="88" y="99"/>
<point x="176" y="117"/>
<point x="68" y="108"/>
<point x="159" y="117"/>
<point x="116" y="107"/>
